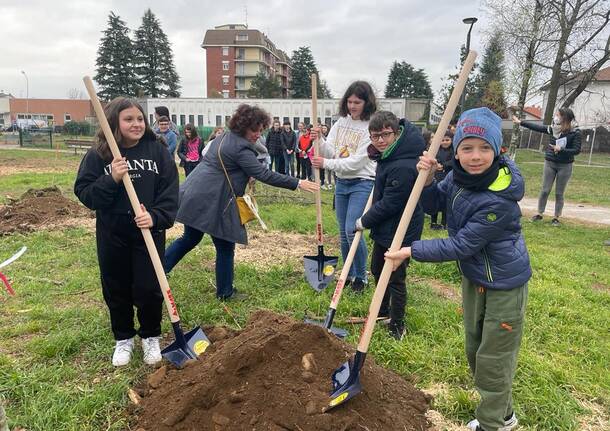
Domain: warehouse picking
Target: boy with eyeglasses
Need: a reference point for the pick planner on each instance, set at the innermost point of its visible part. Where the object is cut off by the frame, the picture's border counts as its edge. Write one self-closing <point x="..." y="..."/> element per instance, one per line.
<point x="396" y="147"/>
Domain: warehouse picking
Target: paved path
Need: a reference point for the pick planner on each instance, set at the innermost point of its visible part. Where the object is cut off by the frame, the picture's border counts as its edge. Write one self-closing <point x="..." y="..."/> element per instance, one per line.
<point x="583" y="212"/>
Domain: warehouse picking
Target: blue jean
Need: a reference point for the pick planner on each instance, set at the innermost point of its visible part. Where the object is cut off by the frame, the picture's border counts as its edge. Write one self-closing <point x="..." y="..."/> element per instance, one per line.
<point x="350" y="200"/>
<point x="288" y="164"/>
<point x="225" y="253"/>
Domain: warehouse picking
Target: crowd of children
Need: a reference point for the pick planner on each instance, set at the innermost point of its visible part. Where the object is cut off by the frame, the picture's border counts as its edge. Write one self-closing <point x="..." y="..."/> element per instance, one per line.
<point x="469" y="182"/>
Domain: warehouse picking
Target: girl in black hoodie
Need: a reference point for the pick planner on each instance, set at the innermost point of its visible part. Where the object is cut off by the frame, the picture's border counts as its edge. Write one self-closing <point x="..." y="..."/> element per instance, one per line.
<point x="127" y="274"/>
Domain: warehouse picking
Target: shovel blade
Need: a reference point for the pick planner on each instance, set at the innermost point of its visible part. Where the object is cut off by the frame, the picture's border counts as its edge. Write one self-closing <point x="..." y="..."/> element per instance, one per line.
<point x="339" y="332"/>
<point x="320" y="270"/>
<point x="346" y="381"/>
<point x="194" y="343"/>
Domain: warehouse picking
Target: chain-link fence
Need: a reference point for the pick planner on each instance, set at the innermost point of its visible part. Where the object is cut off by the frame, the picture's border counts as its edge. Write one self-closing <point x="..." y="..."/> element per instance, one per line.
<point x="595" y="143"/>
<point x="36" y="138"/>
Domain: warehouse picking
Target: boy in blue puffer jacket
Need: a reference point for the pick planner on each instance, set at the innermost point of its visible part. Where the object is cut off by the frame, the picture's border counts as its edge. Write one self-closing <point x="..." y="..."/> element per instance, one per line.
<point x="482" y="194"/>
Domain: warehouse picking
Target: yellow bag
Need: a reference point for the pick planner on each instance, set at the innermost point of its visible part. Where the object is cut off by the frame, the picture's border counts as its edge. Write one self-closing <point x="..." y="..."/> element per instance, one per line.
<point x="246" y="213"/>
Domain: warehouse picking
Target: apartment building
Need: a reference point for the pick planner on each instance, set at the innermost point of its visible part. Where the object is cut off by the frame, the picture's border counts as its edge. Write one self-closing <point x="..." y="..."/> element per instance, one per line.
<point x="235" y="55"/>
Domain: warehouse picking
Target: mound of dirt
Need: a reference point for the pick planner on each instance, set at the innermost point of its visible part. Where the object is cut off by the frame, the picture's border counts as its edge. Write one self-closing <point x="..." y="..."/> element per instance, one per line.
<point x="37" y="208"/>
<point x="275" y="375"/>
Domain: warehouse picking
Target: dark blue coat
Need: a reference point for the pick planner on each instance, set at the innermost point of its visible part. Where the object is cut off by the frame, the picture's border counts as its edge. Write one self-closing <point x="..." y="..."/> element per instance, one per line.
<point x="394" y="180"/>
<point x="484" y="231"/>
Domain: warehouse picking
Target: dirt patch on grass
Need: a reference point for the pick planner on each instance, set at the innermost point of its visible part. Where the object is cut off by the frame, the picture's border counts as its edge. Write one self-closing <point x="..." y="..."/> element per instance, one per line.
<point x="40" y="208"/>
<point x="599" y="287"/>
<point x="443" y="290"/>
<point x="258" y="379"/>
<point x="597" y="419"/>
<point x="38" y="165"/>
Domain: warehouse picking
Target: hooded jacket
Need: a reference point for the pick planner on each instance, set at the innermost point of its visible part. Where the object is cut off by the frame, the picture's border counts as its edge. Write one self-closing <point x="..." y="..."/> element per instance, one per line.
<point x="484" y="231"/>
<point x="395" y="177"/>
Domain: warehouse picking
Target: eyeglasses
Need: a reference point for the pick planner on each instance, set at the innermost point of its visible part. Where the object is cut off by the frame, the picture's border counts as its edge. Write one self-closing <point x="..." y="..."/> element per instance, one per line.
<point x="375" y="136"/>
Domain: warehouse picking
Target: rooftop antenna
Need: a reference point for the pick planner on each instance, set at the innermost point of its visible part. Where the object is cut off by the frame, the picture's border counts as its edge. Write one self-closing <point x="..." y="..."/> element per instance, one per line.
<point x="246" y="12"/>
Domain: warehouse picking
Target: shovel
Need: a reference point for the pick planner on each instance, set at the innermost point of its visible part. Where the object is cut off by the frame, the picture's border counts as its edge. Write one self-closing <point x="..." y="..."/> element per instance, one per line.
<point x="346" y="379"/>
<point x="330" y="315"/>
<point x="195" y="342"/>
<point x="320" y="269"/>
<point x="7" y="262"/>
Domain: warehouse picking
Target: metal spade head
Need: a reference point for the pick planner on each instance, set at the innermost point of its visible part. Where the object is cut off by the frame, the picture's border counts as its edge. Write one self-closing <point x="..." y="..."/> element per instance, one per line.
<point x="186" y="346"/>
<point x="320" y="270"/>
<point x="339" y="332"/>
<point x="346" y="381"/>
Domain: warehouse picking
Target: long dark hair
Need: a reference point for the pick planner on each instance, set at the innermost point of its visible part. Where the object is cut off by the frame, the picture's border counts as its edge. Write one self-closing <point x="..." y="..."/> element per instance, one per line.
<point x="567" y="116"/>
<point x="112" y="111"/>
<point x="191" y="129"/>
<point x="362" y="90"/>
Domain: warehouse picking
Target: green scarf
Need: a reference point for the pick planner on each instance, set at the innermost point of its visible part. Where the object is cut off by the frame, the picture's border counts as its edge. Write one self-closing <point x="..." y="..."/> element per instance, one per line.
<point x="388" y="151"/>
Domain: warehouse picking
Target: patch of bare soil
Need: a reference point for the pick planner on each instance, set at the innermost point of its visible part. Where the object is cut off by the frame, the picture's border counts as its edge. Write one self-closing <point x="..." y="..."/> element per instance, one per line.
<point x="274" y="375"/>
<point x="40" y="208"/>
<point x="443" y="290"/>
<point x="601" y="287"/>
<point x="51" y="164"/>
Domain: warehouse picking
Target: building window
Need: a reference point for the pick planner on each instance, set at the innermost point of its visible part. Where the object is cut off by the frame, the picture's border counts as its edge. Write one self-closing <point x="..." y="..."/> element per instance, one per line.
<point x="225" y="51"/>
<point x="241" y="69"/>
<point x="227" y="119"/>
<point x="67" y="117"/>
<point x="174" y="118"/>
<point x="225" y="65"/>
<point x="328" y="121"/>
<point x="151" y="119"/>
<point x="286" y="119"/>
<point x="225" y="79"/>
<point x="240" y="54"/>
<point x="306" y="120"/>
<point x="295" y="123"/>
<point x="200" y="120"/>
<point x="218" y="121"/>
<point x="192" y="119"/>
<point x="182" y="119"/>
<point x="241" y="38"/>
<point x="225" y="94"/>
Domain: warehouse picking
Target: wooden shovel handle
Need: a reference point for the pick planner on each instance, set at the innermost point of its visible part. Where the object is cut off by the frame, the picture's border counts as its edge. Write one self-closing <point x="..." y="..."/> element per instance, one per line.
<point x="135" y="203"/>
<point x="367" y="332"/>
<point x="348" y="260"/>
<point x="316" y="152"/>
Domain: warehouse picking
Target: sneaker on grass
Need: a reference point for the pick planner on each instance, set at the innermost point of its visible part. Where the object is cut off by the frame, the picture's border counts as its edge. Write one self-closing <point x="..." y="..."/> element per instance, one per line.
<point x="151" y="350"/>
<point x="537" y="217"/>
<point x="510" y="423"/>
<point x="122" y="352"/>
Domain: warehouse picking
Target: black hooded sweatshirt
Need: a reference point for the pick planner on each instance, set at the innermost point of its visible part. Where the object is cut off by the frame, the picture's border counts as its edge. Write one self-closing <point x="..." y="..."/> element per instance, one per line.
<point x="394" y="179"/>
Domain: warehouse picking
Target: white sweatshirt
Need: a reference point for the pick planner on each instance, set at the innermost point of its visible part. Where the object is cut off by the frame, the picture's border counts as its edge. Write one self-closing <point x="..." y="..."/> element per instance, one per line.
<point x="346" y="147"/>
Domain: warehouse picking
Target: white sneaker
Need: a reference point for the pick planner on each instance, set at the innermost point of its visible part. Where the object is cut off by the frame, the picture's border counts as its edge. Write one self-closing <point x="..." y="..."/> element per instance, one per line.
<point x="151" y="349"/>
<point x="122" y="352"/>
<point x="509" y="424"/>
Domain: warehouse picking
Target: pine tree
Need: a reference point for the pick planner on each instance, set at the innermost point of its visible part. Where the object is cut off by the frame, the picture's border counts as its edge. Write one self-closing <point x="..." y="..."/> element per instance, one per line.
<point x="154" y="63"/>
<point x="265" y="87"/>
<point x="114" y="64"/>
<point x="303" y="66"/>
<point x="489" y="85"/>
<point x="405" y="81"/>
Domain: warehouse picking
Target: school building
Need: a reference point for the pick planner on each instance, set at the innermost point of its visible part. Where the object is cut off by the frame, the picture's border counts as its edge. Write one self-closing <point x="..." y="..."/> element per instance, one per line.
<point x="43" y="112"/>
<point x="216" y="112"/>
<point x="235" y="55"/>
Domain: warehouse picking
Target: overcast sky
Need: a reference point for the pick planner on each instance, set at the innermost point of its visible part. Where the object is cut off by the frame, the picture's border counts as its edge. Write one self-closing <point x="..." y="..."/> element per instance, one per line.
<point x="56" y="43"/>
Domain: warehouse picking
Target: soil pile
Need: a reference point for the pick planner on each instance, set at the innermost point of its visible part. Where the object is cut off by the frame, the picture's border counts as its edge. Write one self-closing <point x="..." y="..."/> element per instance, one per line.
<point x="37" y="208"/>
<point x="274" y="375"/>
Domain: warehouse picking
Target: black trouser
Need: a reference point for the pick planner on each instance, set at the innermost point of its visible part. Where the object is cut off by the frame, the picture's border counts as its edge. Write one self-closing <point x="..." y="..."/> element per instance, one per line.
<point x="128" y="276"/>
<point x="188" y="167"/>
<point x="299" y="164"/>
<point x="434" y="217"/>
<point x="395" y="298"/>
<point x="306" y="172"/>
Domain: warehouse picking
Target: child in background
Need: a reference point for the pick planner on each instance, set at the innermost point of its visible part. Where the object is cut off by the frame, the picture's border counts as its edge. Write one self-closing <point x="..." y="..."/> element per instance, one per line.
<point x="189" y="151"/>
<point x="305" y="153"/>
<point x="482" y="194"/>
<point x="396" y="146"/>
<point x="126" y="270"/>
<point x="444" y="157"/>
<point x="171" y="138"/>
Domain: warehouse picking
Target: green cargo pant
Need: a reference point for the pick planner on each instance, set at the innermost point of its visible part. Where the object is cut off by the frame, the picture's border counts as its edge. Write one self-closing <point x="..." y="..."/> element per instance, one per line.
<point x="493" y="323"/>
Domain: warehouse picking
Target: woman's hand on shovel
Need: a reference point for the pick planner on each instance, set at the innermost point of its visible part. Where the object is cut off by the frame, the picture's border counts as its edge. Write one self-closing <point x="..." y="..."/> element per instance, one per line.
<point x="144" y="220"/>
<point x="398" y="257"/>
<point x="308" y="186"/>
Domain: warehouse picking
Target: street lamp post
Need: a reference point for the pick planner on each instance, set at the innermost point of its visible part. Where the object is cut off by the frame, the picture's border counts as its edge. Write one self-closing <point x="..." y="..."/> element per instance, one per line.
<point x="27" y="94"/>
<point x="469" y="21"/>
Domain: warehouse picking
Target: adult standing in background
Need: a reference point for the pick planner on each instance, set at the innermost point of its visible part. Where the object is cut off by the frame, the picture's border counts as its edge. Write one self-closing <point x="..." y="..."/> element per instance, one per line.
<point x="275" y="148"/>
<point x="289" y="144"/>
<point x="558" y="158"/>
<point x="346" y="148"/>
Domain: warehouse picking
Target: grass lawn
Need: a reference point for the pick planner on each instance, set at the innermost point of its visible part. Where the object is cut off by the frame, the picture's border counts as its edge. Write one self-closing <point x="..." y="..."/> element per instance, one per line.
<point x="56" y="345"/>
<point x="588" y="185"/>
